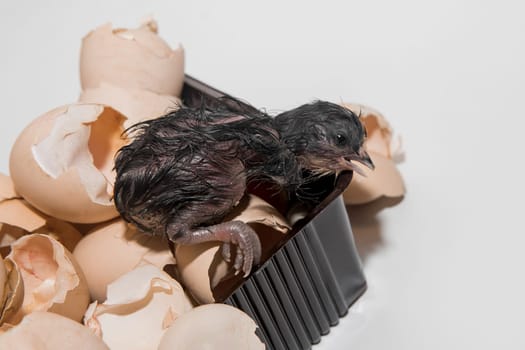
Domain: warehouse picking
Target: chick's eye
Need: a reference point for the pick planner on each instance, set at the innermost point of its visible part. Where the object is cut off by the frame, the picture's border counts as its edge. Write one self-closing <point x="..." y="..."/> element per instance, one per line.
<point x="340" y="139"/>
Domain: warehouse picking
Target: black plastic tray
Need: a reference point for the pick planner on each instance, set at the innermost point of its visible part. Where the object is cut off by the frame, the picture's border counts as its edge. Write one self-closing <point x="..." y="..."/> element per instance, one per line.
<point x="311" y="280"/>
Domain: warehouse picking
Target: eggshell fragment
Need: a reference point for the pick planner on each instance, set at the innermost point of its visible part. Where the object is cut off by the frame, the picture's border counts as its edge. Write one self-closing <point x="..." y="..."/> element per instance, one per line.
<point x="140" y="306"/>
<point x="52" y="279"/>
<point x="46" y="330"/>
<point x="3" y="288"/>
<point x="253" y="209"/>
<point x="65" y="233"/>
<point x="385" y="180"/>
<point x="62" y="163"/>
<point x="136" y="104"/>
<point x="212" y="326"/>
<point x="114" y="248"/>
<point x="7" y="188"/>
<point x="17" y="212"/>
<point x="11" y="290"/>
<point x="201" y="266"/>
<point x="3" y="281"/>
<point x="18" y="218"/>
<point x="132" y="59"/>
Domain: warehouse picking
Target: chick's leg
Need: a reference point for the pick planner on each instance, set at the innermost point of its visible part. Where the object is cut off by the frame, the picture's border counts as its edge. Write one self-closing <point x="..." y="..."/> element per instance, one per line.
<point x="248" y="251"/>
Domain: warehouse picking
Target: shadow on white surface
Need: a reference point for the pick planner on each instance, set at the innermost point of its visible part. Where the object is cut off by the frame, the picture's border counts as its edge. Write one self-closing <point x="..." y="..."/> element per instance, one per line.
<point x="366" y="225"/>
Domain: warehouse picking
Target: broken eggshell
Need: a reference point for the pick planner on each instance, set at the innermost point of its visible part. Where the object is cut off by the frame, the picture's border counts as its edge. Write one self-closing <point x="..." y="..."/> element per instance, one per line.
<point x="114" y="248"/>
<point x="132" y="59"/>
<point x="385" y="180"/>
<point x="52" y="279"/>
<point x="7" y="188"/>
<point x="3" y="282"/>
<point x="62" y="163"/>
<point x="212" y="326"/>
<point x="140" y="306"/>
<point x="201" y="266"/>
<point x="11" y="290"/>
<point x="136" y="104"/>
<point x="46" y="330"/>
<point x="62" y="231"/>
<point x="18" y="218"/>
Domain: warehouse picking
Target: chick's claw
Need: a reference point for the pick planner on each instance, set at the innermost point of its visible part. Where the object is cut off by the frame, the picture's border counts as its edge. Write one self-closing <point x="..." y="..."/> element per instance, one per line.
<point x="248" y="252"/>
<point x="226" y="252"/>
<point x="238" y="233"/>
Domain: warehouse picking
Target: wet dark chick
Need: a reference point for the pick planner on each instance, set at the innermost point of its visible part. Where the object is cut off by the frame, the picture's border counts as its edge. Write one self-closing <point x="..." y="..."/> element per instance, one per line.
<point x="184" y="172"/>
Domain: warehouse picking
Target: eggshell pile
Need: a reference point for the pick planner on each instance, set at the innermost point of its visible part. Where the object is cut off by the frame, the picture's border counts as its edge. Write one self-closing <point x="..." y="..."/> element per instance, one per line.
<point x="62" y="163"/>
<point x="385" y="180"/>
<point x="61" y="168"/>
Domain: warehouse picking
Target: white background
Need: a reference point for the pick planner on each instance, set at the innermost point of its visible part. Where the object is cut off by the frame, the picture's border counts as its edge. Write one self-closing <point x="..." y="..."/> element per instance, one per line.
<point x="445" y="266"/>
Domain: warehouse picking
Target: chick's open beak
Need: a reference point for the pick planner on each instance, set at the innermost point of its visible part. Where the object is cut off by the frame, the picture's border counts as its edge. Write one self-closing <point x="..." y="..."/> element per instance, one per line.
<point x="361" y="157"/>
<point x="365" y="159"/>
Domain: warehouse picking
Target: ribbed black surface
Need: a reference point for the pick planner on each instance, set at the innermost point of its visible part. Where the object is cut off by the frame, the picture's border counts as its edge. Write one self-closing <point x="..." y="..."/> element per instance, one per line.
<point x="299" y="294"/>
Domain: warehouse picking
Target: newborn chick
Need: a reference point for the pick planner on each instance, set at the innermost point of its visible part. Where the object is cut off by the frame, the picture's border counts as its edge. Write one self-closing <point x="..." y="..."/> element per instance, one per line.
<point x="184" y="172"/>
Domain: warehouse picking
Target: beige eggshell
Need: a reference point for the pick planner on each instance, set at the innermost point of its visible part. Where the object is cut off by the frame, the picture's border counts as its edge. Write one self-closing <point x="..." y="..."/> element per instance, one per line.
<point x="253" y="209"/>
<point x="9" y="234"/>
<point x="7" y="188"/>
<point x="62" y="163"/>
<point x="136" y="104"/>
<point x="62" y="231"/>
<point x="3" y="281"/>
<point x="12" y="295"/>
<point x="385" y="181"/>
<point x="3" y="288"/>
<point x="14" y="211"/>
<point x="52" y="279"/>
<point x="201" y="266"/>
<point x="49" y="331"/>
<point x="131" y="58"/>
<point x="114" y="248"/>
<point x="18" y="218"/>
<point x="140" y="306"/>
<point x="212" y="326"/>
<point x="17" y="212"/>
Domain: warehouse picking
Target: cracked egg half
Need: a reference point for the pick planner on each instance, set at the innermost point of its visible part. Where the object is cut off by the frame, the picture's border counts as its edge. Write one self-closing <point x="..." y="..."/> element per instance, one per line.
<point x="62" y="163"/>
